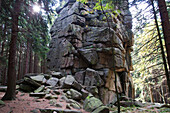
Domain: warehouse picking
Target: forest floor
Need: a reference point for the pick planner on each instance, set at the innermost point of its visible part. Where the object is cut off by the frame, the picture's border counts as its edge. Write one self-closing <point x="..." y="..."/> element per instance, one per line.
<point x="26" y="104"/>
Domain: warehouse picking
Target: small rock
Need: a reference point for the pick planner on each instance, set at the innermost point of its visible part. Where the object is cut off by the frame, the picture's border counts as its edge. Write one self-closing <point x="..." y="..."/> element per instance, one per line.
<point x="74" y="105"/>
<point x="68" y="106"/>
<point x="57" y="92"/>
<point x="102" y="109"/>
<point x="68" y="81"/>
<point x="53" y="101"/>
<point x="59" y="105"/>
<point x="61" y="81"/>
<point x="40" y="89"/>
<point x="35" y="111"/>
<point x="51" y="110"/>
<point x="2" y="103"/>
<point x="57" y="74"/>
<point x="75" y="94"/>
<point x="37" y="94"/>
<point x="84" y="93"/>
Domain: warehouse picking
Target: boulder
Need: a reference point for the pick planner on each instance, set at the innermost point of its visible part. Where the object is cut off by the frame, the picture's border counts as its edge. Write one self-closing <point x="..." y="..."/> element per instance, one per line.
<point x="52" y="81"/>
<point x="57" y="74"/>
<point x="40" y="95"/>
<point x="68" y="81"/>
<point x="91" y="103"/>
<point x="73" y="94"/>
<point x="40" y="89"/>
<point x="38" y="78"/>
<point x="31" y="82"/>
<point x="26" y="88"/>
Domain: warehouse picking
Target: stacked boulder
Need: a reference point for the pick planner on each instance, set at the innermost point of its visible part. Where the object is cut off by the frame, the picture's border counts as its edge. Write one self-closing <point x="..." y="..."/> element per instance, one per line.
<point x="58" y="89"/>
<point x="84" y="46"/>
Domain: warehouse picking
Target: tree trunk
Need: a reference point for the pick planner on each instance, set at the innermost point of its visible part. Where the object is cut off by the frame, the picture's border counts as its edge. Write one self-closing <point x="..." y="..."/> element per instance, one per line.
<point x="4" y="39"/>
<point x="27" y="57"/>
<point x="35" y="63"/>
<point x="11" y="84"/>
<point x="151" y="93"/>
<point x="5" y="71"/>
<point x="31" y="61"/>
<point x="166" y="31"/>
<point x="19" y="63"/>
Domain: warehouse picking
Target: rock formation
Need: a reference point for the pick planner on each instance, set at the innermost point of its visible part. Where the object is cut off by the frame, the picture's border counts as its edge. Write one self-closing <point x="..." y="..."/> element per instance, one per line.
<point x="86" y="46"/>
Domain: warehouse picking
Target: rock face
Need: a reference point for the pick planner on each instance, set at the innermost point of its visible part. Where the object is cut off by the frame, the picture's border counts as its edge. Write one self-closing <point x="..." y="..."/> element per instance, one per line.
<point x="81" y="46"/>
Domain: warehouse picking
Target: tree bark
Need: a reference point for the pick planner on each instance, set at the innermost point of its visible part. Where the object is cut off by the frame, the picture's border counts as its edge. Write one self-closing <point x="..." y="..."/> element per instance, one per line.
<point x="31" y="61"/>
<point x="19" y="63"/>
<point x="11" y="84"/>
<point x="166" y="31"/>
<point x="4" y="39"/>
<point x="35" y="63"/>
<point x="27" y="57"/>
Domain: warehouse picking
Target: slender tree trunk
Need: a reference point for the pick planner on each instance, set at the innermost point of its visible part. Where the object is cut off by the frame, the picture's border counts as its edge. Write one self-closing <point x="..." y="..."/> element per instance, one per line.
<point x="27" y="57"/>
<point x="151" y="93"/>
<point x="11" y="84"/>
<point x="4" y="72"/>
<point x="35" y="63"/>
<point x="19" y="63"/>
<point x="31" y="61"/>
<point x="4" y="39"/>
<point x="161" y="44"/>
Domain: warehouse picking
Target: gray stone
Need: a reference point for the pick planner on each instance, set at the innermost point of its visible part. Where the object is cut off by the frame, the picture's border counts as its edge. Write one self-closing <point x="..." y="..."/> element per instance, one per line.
<point x="52" y="81"/>
<point x="74" y="105"/>
<point x="26" y="88"/>
<point x="68" y="81"/>
<point x="60" y="105"/>
<point x="79" y="76"/>
<point x="91" y="103"/>
<point x="31" y="82"/>
<point x="57" y="92"/>
<point x="77" y="86"/>
<point x="75" y="94"/>
<point x="90" y="56"/>
<point x="38" y="78"/>
<point x="51" y="110"/>
<point x="84" y="93"/>
<point x="102" y="109"/>
<point x="61" y="81"/>
<point x="57" y="74"/>
<point x="92" y="78"/>
<point x="41" y="94"/>
<point x="40" y="89"/>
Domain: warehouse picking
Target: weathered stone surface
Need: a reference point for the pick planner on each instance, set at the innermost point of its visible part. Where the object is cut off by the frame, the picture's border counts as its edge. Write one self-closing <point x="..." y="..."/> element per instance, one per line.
<point x="91" y="104"/>
<point x="108" y="97"/>
<point x="86" y="44"/>
<point x="31" y="82"/>
<point x="92" y="78"/>
<point x="68" y="81"/>
<point x="89" y="56"/>
<point x="73" y="94"/>
<point x="57" y="74"/>
<point x="38" y="78"/>
<point x="102" y="109"/>
<point x="52" y="81"/>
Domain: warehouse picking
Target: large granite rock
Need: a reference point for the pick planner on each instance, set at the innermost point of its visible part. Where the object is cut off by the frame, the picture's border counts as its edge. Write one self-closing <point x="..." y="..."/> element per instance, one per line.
<point x="87" y="48"/>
